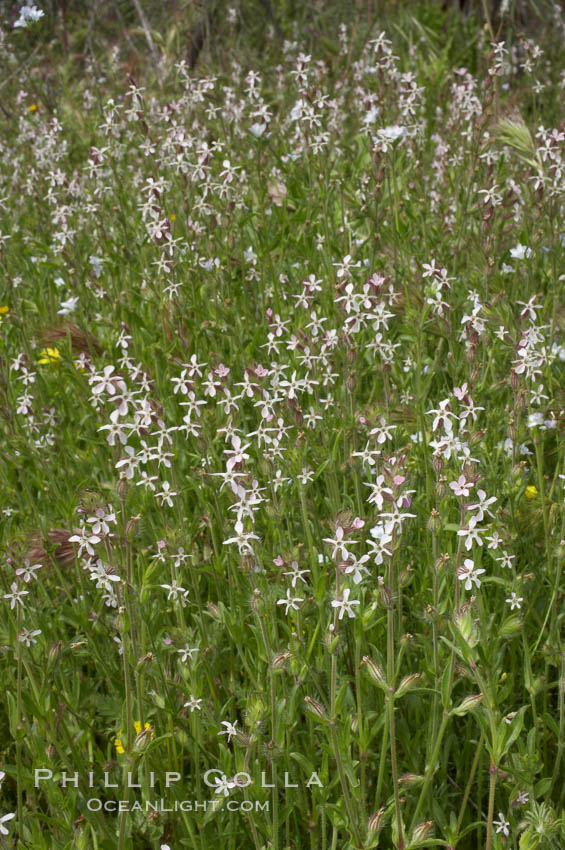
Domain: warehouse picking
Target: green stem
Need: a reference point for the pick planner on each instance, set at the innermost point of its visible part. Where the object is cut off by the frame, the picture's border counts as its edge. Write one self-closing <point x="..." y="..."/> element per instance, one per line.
<point x="491" y="791"/>
<point x="469" y="783"/>
<point x="343" y="783"/>
<point x="430" y="770"/>
<point x="19" y="728"/>
<point x="391" y="675"/>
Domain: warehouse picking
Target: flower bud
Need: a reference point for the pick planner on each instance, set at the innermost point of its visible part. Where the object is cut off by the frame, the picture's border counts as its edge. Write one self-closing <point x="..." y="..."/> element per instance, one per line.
<point x="280" y="660"/>
<point x="123" y="488"/>
<point x="376" y="672"/>
<point x="421" y="832"/>
<point x="144" y="661"/>
<point x="512" y="626"/>
<point x="213" y="609"/>
<point x="143" y="738"/>
<point x="410" y="780"/>
<point x="385" y="598"/>
<point x="315" y="708"/>
<point x="376" y="821"/>
<point x="406" y="684"/>
<point x="54" y="653"/>
<point x="132" y="526"/>
<point x="469" y="704"/>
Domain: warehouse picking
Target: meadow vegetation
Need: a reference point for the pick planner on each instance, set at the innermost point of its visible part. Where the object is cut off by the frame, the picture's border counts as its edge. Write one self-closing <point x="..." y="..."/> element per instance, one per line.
<point x="282" y="364"/>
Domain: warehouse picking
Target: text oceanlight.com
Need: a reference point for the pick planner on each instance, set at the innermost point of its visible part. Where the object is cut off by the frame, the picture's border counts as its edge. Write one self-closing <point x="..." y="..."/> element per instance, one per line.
<point x="95" y="804"/>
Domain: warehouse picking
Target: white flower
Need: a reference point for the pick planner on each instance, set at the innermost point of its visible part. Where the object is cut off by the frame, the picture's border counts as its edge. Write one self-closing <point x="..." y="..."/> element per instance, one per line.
<point x="28" y="571"/>
<point x="28" y="637"/>
<point x="174" y="591"/>
<point x="482" y="505"/>
<point x="520" y="252"/>
<point x="107" y="382"/>
<point x="15" y="597"/>
<point x="230" y="730"/>
<point x="392" y="133"/>
<point x="515" y="601"/>
<point x="242" y="538"/>
<point x="187" y="653"/>
<point x="338" y="544"/>
<point x="296" y="574"/>
<point x="290" y="601"/>
<point x="257" y="129"/>
<point x="28" y="15"/>
<point x="96" y="263"/>
<point x="238" y="453"/>
<point x="506" y="559"/>
<point x="344" y="604"/>
<point x="165" y="496"/>
<point x="193" y="703"/>
<point x="357" y="568"/>
<point x="306" y="475"/>
<point x="469" y="574"/>
<point x="502" y="825"/>
<point x="85" y="539"/>
<point x="68" y="306"/>
<point x="379" y="543"/>
<point x="470" y="533"/>
<point x="223" y="784"/>
<point x="3" y="820"/>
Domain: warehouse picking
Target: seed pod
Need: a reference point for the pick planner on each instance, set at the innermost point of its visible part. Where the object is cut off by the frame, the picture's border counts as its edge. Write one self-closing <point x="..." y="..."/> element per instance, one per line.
<point x="438" y="463"/>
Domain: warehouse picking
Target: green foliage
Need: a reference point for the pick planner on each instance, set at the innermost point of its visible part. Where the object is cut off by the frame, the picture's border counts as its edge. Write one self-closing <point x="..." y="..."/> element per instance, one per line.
<point x="392" y="238"/>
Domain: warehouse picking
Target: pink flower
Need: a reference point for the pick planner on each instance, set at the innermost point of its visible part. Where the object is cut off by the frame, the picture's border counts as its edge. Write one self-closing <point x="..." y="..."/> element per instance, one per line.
<point x="461" y="487"/>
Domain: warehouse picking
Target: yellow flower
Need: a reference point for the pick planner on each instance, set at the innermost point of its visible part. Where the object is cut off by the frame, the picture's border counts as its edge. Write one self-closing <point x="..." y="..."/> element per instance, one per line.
<point x="531" y="492"/>
<point x="137" y="726"/>
<point x="32" y="107"/>
<point x="173" y="217"/>
<point x="49" y="355"/>
<point x="4" y="309"/>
